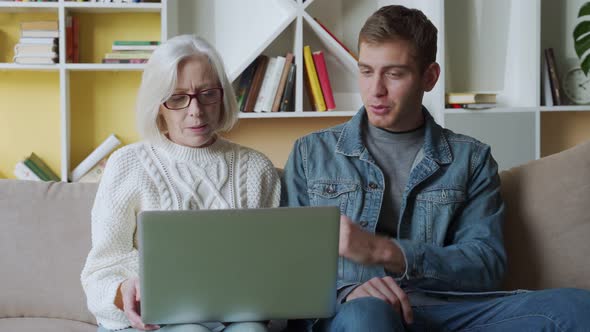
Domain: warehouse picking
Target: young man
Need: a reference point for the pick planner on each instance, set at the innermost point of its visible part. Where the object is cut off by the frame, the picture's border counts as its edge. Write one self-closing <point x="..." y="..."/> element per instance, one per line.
<point x="421" y="229"/>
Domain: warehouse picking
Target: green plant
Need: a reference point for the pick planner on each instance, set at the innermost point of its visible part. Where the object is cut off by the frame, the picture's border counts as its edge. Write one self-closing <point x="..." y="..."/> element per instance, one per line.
<point x="582" y="37"/>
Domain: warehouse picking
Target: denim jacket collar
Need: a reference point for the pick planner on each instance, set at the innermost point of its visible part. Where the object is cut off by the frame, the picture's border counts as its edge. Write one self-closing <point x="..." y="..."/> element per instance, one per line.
<point x="436" y="147"/>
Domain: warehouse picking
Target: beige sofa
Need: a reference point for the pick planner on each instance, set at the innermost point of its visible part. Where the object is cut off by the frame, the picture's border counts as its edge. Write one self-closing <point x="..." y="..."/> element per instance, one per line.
<point x="45" y="236"/>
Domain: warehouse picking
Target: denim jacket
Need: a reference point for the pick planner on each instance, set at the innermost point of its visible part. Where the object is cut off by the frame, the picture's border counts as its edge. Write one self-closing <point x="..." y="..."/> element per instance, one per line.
<point x="450" y="225"/>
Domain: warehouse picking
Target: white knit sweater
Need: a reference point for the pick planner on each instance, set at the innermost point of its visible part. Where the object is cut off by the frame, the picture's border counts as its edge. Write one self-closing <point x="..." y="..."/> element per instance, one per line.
<point x="165" y="176"/>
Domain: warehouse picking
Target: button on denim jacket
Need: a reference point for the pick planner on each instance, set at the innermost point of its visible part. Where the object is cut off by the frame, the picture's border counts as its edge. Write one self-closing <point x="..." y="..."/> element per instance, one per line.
<point x="450" y="225"/>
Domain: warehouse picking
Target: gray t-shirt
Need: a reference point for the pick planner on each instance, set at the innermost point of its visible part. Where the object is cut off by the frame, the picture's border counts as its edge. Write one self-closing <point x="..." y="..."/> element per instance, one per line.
<point x="394" y="153"/>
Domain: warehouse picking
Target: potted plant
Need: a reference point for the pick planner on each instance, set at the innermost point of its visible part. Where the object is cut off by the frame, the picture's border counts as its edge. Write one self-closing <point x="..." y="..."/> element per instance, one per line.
<point x="582" y="38"/>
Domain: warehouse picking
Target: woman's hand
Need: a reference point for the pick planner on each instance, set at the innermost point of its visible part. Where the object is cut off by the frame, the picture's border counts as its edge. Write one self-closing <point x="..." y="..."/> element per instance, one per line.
<point x="131" y="298"/>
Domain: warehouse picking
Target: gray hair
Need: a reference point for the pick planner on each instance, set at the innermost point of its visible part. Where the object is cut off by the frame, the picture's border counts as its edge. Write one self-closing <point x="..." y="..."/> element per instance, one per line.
<point x="159" y="81"/>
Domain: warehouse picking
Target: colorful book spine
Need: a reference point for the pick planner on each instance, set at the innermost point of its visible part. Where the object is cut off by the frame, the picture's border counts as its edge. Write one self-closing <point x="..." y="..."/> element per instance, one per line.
<point x="106" y="147"/>
<point x="136" y="42"/>
<point x="314" y="83"/>
<point x="245" y="83"/>
<point x="256" y="84"/>
<point x="273" y="84"/>
<point x="31" y="165"/>
<point x="264" y="89"/>
<point x="282" y="82"/>
<point x="336" y="39"/>
<point x="287" y="98"/>
<point x="320" y="65"/>
<point x="124" y="60"/>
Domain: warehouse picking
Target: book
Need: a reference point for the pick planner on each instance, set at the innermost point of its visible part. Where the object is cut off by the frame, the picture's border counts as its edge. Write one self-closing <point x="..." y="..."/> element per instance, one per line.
<point x="336" y="39"/>
<point x="245" y="82"/>
<point x="31" y="165"/>
<point x="106" y="147"/>
<point x="75" y="39"/>
<point x="39" y="33"/>
<point x="273" y="81"/>
<point x="43" y="167"/>
<point x="40" y="25"/>
<point x="135" y="42"/>
<point x="553" y="77"/>
<point x="265" y="87"/>
<point x="34" y="49"/>
<point x="33" y="40"/>
<point x="472" y="106"/>
<point x="256" y="84"/>
<point x="547" y="96"/>
<point x="320" y="65"/>
<point x="95" y="173"/>
<point x="69" y="40"/>
<point x="128" y="55"/>
<point x="282" y="82"/>
<point x="22" y="172"/>
<point x="287" y="98"/>
<point x="124" y="60"/>
<point x="34" y="60"/>
<point x="134" y="47"/>
<point x="51" y="55"/>
<point x="318" y="104"/>
<point x="470" y="98"/>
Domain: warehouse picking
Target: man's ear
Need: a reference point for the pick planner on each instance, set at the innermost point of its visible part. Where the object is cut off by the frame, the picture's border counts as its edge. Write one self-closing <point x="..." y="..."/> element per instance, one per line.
<point x="430" y="76"/>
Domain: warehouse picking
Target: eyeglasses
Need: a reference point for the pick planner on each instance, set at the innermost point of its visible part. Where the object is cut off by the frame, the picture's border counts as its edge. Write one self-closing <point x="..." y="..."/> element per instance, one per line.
<point x="204" y="97"/>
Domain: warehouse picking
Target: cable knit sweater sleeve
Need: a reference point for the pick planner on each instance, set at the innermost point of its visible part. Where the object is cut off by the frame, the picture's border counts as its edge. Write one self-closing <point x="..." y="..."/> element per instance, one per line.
<point x="113" y="257"/>
<point x="264" y="184"/>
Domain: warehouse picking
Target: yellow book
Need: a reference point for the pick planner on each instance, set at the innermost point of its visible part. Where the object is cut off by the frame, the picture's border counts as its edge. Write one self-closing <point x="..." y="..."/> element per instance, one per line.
<point x="314" y="82"/>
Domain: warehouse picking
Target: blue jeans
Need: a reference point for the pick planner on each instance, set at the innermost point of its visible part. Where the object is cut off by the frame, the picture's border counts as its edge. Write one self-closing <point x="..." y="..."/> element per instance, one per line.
<point x="547" y="310"/>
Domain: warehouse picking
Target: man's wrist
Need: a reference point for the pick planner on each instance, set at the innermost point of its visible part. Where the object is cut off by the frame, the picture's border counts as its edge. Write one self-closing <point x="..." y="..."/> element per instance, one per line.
<point x="390" y="256"/>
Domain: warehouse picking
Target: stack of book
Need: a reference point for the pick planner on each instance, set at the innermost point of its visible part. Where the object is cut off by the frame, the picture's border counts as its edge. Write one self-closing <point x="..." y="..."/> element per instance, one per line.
<point x="38" y="43"/>
<point x="317" y="83"/>
<point x="470" y="100"/>
<point x="130" y="51"/>
<point x="267" y="85"/>
<point x="34" y="168"/>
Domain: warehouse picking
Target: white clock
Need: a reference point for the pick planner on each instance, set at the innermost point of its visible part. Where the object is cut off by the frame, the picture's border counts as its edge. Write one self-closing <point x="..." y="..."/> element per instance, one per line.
<point x="576" y="86"/>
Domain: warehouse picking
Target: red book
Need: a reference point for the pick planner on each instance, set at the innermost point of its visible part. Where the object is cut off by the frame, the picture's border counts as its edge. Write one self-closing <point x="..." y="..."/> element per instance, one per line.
<point x="75" y="39"/>
<point x="336" y="39"/>
<point x="322" y="70"/>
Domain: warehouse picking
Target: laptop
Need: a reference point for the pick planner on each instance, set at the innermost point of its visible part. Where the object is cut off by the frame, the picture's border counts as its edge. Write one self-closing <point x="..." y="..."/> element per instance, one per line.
<point x="238" y="265"/>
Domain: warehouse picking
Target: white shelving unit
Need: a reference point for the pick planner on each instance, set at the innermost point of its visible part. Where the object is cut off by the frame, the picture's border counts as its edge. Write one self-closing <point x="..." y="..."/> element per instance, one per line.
<point x="63" y="9"/>
<point x="497" y="49"/>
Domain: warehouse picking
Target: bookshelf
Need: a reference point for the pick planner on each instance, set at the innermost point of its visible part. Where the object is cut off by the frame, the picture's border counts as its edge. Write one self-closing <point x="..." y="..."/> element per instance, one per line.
<point x="498" y="48"/>
<point x="75" y="105"/>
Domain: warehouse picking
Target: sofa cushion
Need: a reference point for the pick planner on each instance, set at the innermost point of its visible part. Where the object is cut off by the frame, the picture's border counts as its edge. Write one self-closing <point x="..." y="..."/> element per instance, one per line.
<point x="548" y="221"/>
<point x="44" y="241"/>
<point x="44" y="325"/>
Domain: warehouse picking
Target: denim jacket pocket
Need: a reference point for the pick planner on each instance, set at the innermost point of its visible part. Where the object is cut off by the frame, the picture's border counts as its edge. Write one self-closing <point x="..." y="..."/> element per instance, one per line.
<point x="435" y="209"/>
<point x="333" y="193"/>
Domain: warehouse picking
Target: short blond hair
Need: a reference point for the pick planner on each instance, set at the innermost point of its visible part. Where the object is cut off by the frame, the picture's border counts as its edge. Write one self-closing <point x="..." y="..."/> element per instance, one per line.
<point x="159" y="81"/>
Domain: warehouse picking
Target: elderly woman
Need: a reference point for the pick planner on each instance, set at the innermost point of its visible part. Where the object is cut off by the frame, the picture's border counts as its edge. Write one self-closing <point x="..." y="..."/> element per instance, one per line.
<point x="184" y="100"/>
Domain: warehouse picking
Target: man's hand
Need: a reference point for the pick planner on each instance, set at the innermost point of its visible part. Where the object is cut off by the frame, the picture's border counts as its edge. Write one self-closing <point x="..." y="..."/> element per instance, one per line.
<point x="131" y="299"/>
<point x="356" y="244"/>
<point x="366" y="248"/>
<point x="387" y="290"/>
